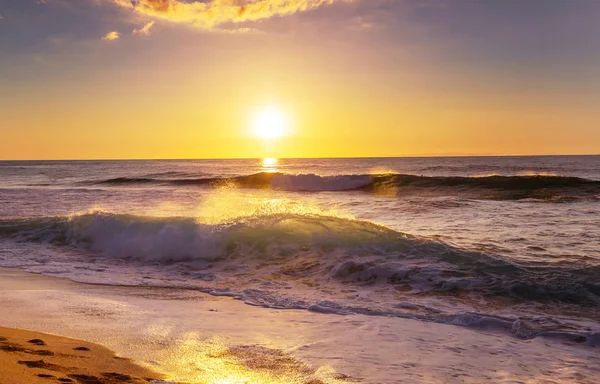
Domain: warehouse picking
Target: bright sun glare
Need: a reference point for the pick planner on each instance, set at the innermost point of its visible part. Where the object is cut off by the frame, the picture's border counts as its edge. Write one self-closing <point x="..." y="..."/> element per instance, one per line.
<point x="269" y="162"/>
<point x="269" y="124"/>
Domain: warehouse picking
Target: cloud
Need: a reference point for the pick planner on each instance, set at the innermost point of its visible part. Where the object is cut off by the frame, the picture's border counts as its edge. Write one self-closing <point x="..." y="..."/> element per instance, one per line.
<point x="111" y="36"/>
<point x="208" y="14"/>
<point x="145" y="30"/>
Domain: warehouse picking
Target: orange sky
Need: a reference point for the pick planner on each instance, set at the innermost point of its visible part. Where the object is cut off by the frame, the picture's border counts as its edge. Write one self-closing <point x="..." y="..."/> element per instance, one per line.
<point x="353" y="78"/>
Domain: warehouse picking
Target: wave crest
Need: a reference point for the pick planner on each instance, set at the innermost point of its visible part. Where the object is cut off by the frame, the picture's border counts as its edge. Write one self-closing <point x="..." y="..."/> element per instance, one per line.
<point x="184" y="238"/>
<point x="309" y="261"/>
<point x="547" y="187"/>
<point x="311" y="246"/>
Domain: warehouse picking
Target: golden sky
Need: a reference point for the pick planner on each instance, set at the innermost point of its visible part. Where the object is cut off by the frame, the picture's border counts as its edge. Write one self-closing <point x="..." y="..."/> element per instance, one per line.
<point x="93" y="79"/>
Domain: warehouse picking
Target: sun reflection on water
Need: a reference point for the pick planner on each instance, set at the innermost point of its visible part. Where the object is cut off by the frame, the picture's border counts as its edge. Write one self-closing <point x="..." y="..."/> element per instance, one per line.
<point x="213" y="361"/>
<point x="269" y="164"/>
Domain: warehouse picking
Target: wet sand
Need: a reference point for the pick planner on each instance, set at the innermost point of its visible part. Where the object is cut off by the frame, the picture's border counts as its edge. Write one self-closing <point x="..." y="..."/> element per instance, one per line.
<point x="32" y="357"/>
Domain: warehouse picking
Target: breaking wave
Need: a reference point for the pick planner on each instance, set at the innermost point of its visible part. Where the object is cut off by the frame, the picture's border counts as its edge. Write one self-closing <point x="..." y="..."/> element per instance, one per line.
<point x="263" y="180"/>
<point x="310" y="246"/>
<point x="315" y="262"/>
<point x="546" y="187"/>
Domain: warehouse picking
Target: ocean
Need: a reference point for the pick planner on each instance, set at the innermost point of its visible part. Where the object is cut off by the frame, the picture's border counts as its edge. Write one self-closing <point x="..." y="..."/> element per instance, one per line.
<point x="510" y="245"/>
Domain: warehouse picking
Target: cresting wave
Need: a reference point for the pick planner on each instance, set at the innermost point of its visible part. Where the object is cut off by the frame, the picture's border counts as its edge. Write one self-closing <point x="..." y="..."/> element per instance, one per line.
<point x="313" y="261"/>
<point x="489" y="187"/>
<point x="343" y="250"/>
<point x="262" y="180"/>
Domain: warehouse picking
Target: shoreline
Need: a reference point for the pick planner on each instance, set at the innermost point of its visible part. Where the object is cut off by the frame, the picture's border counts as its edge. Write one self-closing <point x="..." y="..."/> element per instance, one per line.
<point x="192" y="337"/>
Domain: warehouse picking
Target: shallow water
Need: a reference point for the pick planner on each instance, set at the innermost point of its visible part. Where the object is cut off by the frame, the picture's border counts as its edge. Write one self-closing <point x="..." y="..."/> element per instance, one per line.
<point x="196" y="338"/>
<point x="510" y="243"/>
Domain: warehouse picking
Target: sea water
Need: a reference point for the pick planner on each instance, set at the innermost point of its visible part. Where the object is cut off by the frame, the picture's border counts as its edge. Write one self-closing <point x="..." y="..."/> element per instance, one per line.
<point x="508" y="244"/>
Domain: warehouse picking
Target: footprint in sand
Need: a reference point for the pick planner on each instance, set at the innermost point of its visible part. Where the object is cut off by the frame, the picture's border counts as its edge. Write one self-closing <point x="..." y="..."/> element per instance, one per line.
<point x="86" y="379"/>
<point x="37" y="341"/>
<point x="40" y="364"/>
<point x="81" y="349"/>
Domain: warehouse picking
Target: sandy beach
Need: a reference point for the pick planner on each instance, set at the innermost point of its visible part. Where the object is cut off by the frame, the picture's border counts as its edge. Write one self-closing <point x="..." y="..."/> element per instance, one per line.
<point x="34" y="358"/>
<point x="191" y="337"/>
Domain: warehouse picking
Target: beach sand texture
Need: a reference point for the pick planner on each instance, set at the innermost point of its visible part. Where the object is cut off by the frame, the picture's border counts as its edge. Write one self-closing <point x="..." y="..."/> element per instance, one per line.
<point x="32" y="357"/>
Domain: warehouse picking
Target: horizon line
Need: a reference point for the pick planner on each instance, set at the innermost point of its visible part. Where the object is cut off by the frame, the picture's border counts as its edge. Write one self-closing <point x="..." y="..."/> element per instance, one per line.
<point x="300" y="158"/>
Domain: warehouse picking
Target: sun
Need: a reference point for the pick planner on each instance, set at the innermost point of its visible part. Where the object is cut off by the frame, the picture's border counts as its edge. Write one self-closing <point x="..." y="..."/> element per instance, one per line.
<point x="269" y="124"/>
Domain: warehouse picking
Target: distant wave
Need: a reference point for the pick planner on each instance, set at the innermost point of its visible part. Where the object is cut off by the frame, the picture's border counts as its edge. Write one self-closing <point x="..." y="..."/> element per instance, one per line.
<point x="490" y="187"/>
<point x="263" y="180"/>
<point x="129" y="180"/>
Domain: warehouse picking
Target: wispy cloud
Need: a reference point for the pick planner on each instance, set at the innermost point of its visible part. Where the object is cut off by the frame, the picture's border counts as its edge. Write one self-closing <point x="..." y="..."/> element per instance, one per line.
<point x="145" y="30"/>
<point x="111" y="36"/>
<point x="208" y="14"/>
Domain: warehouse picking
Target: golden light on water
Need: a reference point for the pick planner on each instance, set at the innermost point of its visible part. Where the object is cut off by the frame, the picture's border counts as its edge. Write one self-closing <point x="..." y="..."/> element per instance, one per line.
<point x="269" y="164"/>
<point x="229" y="204"/>
<point x="215" y="361"/>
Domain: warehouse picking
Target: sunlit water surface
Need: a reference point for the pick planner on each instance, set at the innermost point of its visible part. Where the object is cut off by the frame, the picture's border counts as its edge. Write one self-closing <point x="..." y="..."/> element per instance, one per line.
<point x="452" y="244"/>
